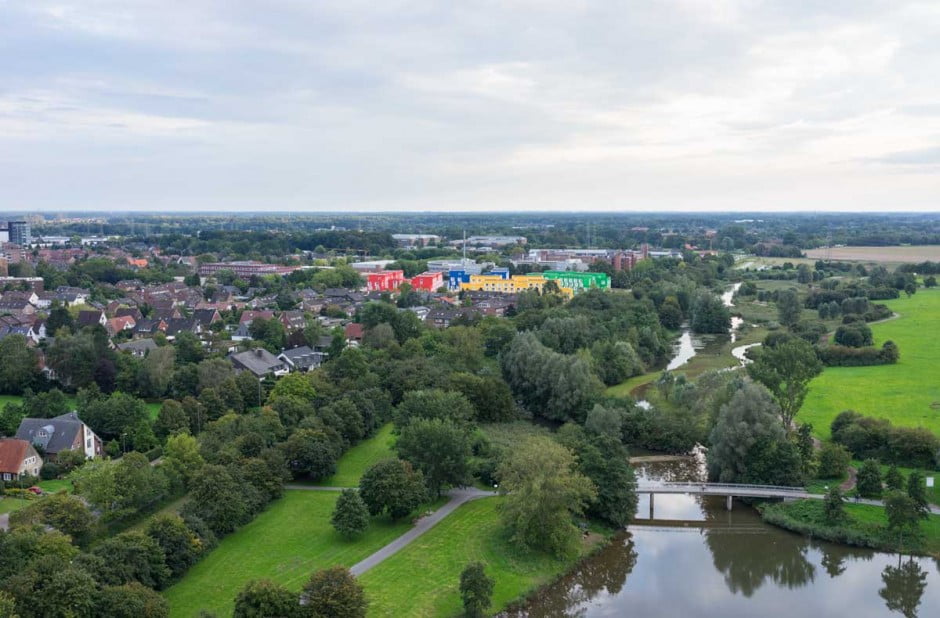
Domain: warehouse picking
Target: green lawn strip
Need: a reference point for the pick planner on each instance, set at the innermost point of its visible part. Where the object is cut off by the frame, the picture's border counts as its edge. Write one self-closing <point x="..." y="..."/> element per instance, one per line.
<point x="354" y="462"/>
<point x="906" y="393"/>
<point x="168" y="508"/>
<point x="821" y="486"/>
<point x="152" y="407"/>
<point x="8" y="505"/>
<point x="56" y="485"/>
<point x="423" y="578"/>
<point x="866" y="526"/>
<point x="286" y="543"/>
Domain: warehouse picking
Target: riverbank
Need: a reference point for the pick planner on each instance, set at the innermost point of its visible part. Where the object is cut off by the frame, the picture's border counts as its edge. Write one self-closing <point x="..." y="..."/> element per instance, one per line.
<point x="865" y="526"/>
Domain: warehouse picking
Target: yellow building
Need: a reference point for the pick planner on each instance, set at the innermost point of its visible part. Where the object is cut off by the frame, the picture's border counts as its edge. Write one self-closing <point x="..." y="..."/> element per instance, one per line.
<point x="496" y="283"/>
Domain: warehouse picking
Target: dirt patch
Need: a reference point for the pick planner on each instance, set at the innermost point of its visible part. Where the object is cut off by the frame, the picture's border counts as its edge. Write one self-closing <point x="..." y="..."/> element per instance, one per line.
<point x="919" y="253"/>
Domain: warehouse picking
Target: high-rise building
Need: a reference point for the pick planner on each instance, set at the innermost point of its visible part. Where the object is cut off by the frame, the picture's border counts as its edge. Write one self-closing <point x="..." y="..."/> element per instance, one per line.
<point x="19" y="232"/>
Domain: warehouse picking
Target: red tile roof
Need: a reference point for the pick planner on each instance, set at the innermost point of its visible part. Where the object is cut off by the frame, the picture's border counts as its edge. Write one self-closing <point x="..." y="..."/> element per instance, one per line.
<point x="12" y="453"/>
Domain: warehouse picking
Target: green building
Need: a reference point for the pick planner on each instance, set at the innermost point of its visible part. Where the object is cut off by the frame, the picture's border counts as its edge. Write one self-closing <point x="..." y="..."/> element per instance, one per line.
<point x="578" y="281"/>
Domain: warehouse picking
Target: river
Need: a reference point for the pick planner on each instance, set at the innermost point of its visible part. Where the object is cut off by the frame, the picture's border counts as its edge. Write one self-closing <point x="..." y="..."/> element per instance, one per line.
<point x="698" y="559"/>
<point x="690" y="344"/>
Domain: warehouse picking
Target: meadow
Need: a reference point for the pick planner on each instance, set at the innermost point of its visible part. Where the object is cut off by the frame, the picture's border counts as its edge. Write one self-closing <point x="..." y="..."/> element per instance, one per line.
<point x="471" y="533"/>
<point x="354" y="462"/>
<point x="286" y="543"/>
<point x="907" y="393"/>
<point x="910" y="253"/>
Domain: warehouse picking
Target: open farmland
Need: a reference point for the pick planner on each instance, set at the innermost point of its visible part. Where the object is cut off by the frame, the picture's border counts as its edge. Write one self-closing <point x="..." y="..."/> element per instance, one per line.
<point x="913" y="253"/>
<point x="907" y="393"/>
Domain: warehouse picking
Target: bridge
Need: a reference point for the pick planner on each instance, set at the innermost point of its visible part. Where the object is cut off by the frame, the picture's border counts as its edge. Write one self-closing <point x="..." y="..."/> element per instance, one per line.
<point x="729" y="491"/>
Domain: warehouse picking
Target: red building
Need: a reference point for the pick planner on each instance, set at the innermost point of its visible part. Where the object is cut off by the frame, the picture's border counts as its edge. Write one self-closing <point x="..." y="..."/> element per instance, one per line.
<point x="428" y="282"/>
<point x="385" y="281"/>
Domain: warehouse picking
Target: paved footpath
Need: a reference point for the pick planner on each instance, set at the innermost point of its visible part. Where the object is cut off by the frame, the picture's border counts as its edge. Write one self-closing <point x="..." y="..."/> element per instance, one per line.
<point x="5" y="521"/>
<point x="457" y="497"/>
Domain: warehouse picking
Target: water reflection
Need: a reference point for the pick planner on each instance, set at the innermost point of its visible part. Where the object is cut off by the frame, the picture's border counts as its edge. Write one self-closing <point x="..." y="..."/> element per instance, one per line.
<point x="697" y="559"/>
<point x="904" y="586"/>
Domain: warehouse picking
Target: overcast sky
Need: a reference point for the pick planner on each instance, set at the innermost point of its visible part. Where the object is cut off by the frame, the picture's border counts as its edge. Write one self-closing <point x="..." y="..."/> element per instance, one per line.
<point x="568" y="105"/>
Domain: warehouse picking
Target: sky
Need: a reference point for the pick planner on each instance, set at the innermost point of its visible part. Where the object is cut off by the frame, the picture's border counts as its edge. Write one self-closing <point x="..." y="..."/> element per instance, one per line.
<point x="503" y="105"/>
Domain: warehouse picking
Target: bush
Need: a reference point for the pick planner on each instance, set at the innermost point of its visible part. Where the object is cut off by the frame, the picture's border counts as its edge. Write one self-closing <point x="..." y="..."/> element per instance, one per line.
<point x="854" y="335"/>
<point x="49" y="471"/>
<point x="844" y="356"/>
<point x="869" y="479"/>
<point x="834" y="461"/>
<point x="868" y="437"/>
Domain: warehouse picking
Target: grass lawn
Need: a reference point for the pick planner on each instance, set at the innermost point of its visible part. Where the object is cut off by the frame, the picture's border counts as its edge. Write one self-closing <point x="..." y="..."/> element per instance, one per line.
<point x="56" y="485"/>
<point x="907" y="393"/>
<point x="423" y="578"/>
<point x="354" y="462"/>
<point x="171" y="507"/>
<point x="8" y="505"/>
<point x="286" y="543"/>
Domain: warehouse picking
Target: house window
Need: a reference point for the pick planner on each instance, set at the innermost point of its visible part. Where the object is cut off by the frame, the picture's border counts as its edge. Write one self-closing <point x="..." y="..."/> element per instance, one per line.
<point x="41" y="434"/>
<point x="88" y="443"/>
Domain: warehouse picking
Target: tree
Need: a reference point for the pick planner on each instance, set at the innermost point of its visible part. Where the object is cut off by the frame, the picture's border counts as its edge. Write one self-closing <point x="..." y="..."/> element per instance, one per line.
<point x="262" y="598"/>
<point x="786" y="371"/>
<point x="868" y="482"/>
<point x="555" y="386"/>
<point x="131" y="557"/>
<point x="544" y="493"/>
<point x="180" y="546"/>
<point x="334" y="592"/>
<point x="476" y="590"/>
<point x="50" y="587"/>
<point x="917" y="492"/>
<point x="20" y="367"/>
<point x="217" y="499"/>
<point x="131" y="600"/>
<point x="749" y="417"/>
<point x="903" y="515"/>
<point x="709" y="315"/>
<point x="893" y="479"/>
<point x="439" y="448"/>
<point x="115" y="415"/>
<point x="65" y="513"/>
<point x="392" y="486"/>
<point x="351" y="515"/>
<point x="789" y="308"/>
<point x="833" y="506"/>
<point x="834" y="461"/>
<point x="171" y="419"/>
<point x="181" y="456"/>
<point x="156" y="371"/>
<point x="433" y="403"/>
<point x="310" y="452"/>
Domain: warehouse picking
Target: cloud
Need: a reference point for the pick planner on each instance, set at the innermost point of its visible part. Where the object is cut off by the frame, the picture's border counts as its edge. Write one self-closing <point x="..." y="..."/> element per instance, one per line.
<point x="414" y="104"/>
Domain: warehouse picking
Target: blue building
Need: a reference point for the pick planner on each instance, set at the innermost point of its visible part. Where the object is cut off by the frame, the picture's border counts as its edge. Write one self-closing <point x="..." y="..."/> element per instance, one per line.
<point x="455" y="278"/>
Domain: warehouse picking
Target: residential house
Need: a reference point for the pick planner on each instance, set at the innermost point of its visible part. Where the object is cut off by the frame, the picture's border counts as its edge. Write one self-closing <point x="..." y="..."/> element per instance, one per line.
<point x="259" y="362"/>
<point x="250" y="316"/>
<point x="302" y="358"/>
<point x="354" y="332"/>
<point x="148" y="328"/>
<point x="175" y="326"/>
<point x="90" y="317"/>
<point x="138" y="347"/>
<point x="292" y="320"/>
<point x="206" y="317"/>
<point x="60" y="433"/>
<point x="442" y="317"/>
<point x="19" y="308"/>
<point x="117" y="325"/>
<point x="18" y="458"/>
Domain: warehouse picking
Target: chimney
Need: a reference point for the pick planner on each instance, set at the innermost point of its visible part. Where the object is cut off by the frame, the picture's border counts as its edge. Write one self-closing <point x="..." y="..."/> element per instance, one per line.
<point x="258" y="352"/>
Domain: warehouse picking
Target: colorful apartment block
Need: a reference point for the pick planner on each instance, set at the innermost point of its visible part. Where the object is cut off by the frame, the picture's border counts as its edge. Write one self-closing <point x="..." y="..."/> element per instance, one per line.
<point x="385" y="281"/>
<point x="578" y="281"/>
<point x="428" y="282"/>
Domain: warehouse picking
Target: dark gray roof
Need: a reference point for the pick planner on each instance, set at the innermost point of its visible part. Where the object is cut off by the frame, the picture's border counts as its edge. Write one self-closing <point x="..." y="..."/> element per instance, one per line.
<point x="52" y="434"/>
<point x="258" y="361"/>
<point x="139" y="345"/>
<point x="302" y="357"/>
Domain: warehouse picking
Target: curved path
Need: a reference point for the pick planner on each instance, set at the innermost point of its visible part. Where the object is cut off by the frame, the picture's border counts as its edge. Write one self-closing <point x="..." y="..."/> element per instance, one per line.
<point x="457" y="496"/>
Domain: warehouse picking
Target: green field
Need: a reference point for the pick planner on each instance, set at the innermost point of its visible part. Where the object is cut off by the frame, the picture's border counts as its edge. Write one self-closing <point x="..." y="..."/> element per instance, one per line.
<point x="286" y="543"/>
<point x="359" y="458"/>
<point x="8" y="505"/>
<point x="907" y="393"/>
<point x="423" y="578"/>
